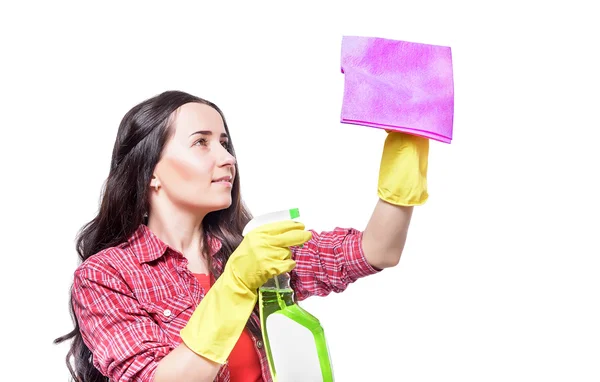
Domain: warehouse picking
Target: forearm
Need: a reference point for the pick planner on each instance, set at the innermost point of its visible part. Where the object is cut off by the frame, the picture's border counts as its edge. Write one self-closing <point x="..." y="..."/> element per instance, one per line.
<point x="385" y="234"/>
<point x="182" y="364"/>
<point x="402" y="185"/>
<point x="210" y="334"/>
<point x="208" y="337"/>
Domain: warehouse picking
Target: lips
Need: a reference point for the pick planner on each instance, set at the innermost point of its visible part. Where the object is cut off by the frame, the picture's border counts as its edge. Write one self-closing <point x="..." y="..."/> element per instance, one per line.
<point x="223" y="179"/>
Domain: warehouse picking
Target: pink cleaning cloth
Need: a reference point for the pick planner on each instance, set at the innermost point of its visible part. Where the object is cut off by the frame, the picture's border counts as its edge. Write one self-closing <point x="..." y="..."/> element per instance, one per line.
<point x="398" y="85"/>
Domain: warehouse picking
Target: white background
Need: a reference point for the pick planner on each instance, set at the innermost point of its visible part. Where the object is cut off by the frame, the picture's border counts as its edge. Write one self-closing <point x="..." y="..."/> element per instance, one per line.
<point x="499" y="280"/>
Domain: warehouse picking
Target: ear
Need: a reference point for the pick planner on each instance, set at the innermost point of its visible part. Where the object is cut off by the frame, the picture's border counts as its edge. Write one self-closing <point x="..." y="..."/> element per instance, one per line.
<point x="154" y="182"/>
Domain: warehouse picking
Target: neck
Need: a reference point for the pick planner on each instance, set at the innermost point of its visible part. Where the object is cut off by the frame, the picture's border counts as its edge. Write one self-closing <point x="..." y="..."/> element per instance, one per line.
<point x="179" y="229"/>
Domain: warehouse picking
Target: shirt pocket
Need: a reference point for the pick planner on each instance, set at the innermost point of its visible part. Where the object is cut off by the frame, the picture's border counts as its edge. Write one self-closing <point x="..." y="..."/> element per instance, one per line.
<point x="171" y="313"/>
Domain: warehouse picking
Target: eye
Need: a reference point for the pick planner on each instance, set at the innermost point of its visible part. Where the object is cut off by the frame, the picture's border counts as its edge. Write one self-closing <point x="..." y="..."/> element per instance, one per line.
<point x="226" y="144"/>
<point x="202" y="142"/>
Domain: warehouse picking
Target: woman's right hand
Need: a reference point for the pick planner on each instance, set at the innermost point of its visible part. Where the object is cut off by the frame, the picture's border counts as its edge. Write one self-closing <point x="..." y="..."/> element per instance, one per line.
<point x="265" y="252"/>
<point x="216" y="324"/>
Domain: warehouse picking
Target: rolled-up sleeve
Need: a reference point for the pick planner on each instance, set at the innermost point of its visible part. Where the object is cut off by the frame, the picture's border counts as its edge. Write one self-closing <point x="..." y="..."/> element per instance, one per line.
<point x="329" y="262"/>
<point x="125" y="342"/>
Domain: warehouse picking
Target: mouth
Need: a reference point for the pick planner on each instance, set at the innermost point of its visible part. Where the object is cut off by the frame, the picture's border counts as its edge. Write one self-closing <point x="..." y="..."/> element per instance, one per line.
<point x="224" y="179"/>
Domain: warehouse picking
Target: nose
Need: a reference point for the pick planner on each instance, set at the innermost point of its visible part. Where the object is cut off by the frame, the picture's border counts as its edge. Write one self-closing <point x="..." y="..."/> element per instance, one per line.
<point x="225" y="158"/>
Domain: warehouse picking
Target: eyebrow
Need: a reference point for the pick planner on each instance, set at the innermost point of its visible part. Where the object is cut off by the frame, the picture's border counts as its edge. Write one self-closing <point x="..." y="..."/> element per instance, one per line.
<point x="207" y="132"/>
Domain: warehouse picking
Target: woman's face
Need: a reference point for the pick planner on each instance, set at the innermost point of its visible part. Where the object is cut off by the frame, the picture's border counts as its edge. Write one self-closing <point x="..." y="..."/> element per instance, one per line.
<point x="196" y="170"/>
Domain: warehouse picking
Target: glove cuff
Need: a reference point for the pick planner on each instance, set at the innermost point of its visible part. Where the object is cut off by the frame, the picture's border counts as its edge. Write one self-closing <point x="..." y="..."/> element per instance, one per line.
<point x="218" y="321"/>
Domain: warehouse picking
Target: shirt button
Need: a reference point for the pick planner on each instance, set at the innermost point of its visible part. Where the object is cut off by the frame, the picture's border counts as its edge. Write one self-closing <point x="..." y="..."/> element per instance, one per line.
<point x="259" y="344"/>
<point x="167" y="312"/>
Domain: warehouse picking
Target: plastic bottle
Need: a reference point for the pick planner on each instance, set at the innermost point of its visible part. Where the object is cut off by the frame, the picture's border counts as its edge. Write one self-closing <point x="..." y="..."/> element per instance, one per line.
<point x="294" y="339"/>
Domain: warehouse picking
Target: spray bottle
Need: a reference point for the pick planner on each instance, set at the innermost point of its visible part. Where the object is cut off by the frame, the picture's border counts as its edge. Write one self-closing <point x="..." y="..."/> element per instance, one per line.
<point x="294" y="339"/>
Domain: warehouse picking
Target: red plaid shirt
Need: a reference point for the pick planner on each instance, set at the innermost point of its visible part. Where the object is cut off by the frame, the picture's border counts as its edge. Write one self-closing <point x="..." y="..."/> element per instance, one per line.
<point x="132" y="300"/>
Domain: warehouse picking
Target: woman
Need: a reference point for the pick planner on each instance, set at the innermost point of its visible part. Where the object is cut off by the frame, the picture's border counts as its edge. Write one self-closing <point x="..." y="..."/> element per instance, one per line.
<point x="167" y="288"/>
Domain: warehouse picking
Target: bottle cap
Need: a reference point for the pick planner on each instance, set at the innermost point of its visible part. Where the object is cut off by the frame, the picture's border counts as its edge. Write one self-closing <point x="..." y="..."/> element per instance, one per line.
<point x="294" y="213"/>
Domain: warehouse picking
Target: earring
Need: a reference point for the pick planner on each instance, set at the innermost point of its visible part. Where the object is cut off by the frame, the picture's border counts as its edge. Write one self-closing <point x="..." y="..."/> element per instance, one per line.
<point x="156" y="186"/>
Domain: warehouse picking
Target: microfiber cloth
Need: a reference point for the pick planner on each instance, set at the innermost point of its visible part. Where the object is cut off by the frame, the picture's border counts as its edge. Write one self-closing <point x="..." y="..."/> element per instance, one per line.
<point x="398" y="85"/>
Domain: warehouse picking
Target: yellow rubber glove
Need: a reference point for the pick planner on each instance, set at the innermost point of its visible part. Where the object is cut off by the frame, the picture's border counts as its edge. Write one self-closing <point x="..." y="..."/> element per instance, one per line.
<point x="219" y="319"/>
<point x="403" y="169"/>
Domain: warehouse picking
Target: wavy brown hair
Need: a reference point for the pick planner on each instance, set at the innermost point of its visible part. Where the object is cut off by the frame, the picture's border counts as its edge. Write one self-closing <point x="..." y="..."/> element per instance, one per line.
<point x="140" y="140"/>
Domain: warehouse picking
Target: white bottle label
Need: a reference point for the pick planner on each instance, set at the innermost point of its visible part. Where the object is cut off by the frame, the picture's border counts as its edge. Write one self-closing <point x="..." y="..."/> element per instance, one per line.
<point x="293" y="349"/>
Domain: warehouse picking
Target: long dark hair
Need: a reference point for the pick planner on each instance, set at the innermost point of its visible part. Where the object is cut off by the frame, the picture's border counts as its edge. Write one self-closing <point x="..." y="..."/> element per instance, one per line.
<point x="140" y="140"/>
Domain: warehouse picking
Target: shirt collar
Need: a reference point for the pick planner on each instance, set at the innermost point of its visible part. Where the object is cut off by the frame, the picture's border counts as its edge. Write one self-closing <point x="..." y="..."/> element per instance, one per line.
<point x="148" y="247"/>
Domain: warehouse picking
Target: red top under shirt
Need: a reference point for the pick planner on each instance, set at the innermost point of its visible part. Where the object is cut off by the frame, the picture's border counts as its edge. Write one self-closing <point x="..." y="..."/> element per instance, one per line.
<point x="244" y="364"/>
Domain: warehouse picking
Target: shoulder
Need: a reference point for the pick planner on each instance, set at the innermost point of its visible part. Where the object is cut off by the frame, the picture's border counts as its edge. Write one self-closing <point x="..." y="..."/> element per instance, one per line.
<point x="109" y="262"/>
<point x="127" y="257"/>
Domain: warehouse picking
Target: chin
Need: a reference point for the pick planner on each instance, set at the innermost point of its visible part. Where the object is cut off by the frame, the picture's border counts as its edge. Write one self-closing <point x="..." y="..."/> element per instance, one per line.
<point x="220" y="206"/>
